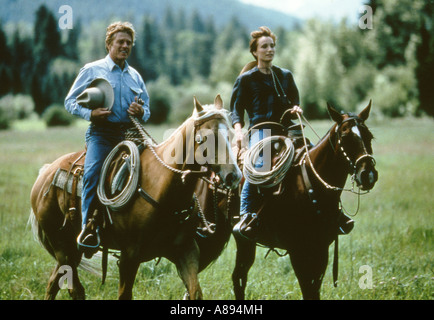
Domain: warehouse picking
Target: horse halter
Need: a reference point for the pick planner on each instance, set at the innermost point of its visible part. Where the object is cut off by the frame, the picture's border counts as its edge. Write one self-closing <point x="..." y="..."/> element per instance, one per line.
<point x="198" y="137"/>
<point x="354" y="166"/>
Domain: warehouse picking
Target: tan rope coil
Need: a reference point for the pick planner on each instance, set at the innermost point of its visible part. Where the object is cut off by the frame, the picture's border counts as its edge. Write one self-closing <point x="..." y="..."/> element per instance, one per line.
<point x="273" y="177"/>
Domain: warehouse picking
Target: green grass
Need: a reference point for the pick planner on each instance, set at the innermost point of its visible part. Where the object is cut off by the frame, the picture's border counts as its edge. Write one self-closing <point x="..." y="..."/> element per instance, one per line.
<point x="393" y="233"/>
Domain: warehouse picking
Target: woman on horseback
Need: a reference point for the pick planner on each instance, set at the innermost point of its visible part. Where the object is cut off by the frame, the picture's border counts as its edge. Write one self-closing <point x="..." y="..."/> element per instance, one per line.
<point x="265" y="92"/>
<point x="256" y="92"/>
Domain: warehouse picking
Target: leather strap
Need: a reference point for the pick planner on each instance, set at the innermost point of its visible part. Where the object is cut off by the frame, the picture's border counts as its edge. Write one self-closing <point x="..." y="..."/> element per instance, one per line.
<point x="147" y="197"/>
<point x="73" y="198"/>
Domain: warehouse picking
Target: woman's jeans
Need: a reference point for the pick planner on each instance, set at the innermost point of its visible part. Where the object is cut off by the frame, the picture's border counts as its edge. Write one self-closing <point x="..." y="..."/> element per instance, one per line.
<point x="100" y="142"/>
<point x="250" y="196"/>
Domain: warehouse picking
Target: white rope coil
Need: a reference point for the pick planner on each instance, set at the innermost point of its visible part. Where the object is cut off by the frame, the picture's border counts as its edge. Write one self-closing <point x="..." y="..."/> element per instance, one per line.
<point x="268" y="179"/>
<point x="119" y="201"/>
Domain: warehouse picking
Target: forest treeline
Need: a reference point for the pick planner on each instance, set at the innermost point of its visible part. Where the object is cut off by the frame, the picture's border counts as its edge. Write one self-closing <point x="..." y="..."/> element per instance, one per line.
<point x="183" y="55"/>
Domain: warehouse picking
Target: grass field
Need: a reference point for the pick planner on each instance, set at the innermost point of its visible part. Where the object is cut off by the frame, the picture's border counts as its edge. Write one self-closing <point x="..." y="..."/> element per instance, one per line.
<point x="393" y="237"/>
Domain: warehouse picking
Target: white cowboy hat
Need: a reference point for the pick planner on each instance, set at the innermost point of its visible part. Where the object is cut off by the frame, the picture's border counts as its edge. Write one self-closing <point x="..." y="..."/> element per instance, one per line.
<point x="99" y="94"/>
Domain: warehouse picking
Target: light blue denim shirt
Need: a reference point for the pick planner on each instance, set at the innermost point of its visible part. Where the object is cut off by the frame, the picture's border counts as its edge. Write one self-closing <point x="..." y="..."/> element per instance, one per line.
<point x="127" y="84"/>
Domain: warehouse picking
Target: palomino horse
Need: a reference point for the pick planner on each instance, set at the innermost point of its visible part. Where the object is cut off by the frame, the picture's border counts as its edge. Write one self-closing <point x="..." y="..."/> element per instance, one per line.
<point x="145" y="229"/>
<point x="303" y="218"/>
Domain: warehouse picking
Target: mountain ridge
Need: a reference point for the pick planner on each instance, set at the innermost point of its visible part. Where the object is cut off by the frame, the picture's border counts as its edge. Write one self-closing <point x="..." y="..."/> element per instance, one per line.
<point x="221" y="11"/>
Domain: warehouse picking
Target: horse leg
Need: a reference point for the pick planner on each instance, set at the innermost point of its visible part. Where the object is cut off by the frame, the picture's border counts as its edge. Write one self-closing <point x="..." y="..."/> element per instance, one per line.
<point x="188" y="269"/>
<point x="128" y="267"/>
<point x="309" y="267"/>
<point x="62" y="246"/>
<point x="246" y="252"/>
<point x="77" y="291"/>
<point x="53" y="284"/>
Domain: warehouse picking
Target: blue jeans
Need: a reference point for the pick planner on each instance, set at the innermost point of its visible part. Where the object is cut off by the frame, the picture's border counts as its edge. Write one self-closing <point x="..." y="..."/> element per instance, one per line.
<point x="100" y="142"/>
<point x="251" y="198"/>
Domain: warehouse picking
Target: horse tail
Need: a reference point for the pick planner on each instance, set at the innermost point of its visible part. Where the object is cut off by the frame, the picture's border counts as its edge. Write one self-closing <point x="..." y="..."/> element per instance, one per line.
<point x="38" y="232"/>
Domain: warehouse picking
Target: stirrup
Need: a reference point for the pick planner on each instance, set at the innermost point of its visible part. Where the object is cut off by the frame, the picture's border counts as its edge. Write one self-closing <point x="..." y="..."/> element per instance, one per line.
<point x="346" y="228"/>
<point x="80" y="240"/>
<point x="237" y="230"/>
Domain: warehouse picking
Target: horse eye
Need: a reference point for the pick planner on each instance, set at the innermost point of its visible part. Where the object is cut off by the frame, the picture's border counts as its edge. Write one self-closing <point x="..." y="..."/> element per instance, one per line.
<point x="199" y="138"/>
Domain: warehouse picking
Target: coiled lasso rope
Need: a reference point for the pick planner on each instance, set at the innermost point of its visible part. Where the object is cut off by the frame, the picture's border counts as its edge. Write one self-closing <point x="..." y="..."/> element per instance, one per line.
<point x="268" y="179"/>
<point x="119" y="201"/>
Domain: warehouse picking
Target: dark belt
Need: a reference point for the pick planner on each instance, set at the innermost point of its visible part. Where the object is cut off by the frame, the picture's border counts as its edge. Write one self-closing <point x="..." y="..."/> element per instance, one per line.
<point x="119" y="126"/>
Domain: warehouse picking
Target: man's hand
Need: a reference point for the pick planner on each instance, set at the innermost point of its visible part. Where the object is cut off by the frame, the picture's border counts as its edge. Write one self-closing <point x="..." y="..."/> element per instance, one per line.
<point x="136" y="108"/>
<point x="99" y="115"/>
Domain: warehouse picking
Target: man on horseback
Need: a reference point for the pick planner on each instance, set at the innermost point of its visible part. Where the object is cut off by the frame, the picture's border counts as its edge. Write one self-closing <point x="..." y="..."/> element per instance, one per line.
<point x="265" y="92"/>
<point x="109" y="119"/>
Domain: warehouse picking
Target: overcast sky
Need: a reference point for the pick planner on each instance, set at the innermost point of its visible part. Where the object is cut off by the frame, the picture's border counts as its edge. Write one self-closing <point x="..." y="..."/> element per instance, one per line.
<point x="325" y="9"/>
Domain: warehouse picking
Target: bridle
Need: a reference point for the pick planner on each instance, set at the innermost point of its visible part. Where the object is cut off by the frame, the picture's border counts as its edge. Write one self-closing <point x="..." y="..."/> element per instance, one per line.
<point x="198" y="139"/>
<point x="354" y="166"/>
<point x="341" y="148"/>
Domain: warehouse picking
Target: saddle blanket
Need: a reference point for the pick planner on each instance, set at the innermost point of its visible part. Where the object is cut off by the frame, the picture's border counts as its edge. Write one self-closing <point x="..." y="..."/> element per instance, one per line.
<point x="63" y="180"/>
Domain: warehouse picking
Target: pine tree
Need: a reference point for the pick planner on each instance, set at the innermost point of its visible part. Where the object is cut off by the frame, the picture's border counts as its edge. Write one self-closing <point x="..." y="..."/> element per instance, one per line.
<point x="47" y="46"/>
<point x="425" y="59"/>
<point x="47" y="40"/>
<point x="5" y="62"/>
<point x="71" y="45"/>
<point x="197" y="24"/>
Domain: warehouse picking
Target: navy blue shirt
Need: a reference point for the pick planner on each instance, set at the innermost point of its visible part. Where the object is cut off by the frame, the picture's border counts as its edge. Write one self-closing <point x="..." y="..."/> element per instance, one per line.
<point x="255" y="93"/>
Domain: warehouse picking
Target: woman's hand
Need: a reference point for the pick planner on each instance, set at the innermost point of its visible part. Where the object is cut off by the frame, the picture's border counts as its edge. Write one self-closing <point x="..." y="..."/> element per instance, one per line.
<point x="239" y="136"/>
<point x="296" y="110"/>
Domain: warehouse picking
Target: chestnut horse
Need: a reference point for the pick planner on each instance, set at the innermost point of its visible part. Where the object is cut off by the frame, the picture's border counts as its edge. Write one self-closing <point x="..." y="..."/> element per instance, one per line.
<point x="303" y="219"/>
<point x="145" y="229"/>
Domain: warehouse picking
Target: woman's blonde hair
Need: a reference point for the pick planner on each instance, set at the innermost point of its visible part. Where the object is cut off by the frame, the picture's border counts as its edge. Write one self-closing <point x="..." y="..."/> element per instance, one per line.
<point x="262" y="32"/>
<point x="116" y="27"/>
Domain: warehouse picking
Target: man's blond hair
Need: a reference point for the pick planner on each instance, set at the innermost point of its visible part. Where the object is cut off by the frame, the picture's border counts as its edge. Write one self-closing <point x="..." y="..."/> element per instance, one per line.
<point x="116" y="27"/>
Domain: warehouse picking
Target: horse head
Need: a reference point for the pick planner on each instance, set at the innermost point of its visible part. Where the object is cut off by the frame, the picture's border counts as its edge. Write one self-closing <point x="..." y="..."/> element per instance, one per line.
<point x="212" y="146"/>
<point x="353" y="142"/>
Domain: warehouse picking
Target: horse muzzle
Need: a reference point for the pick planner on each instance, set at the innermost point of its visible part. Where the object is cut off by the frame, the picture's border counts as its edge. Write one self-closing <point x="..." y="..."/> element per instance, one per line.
<point x="366" y="175"/>
<point x="231" y="179"/>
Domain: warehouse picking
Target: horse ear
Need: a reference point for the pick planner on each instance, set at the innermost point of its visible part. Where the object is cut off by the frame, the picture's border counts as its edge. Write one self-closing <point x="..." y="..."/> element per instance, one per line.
<point x="197" y="105"/>
<point x="218" y="102"/>
<point x="365" y="112"/>
<point x="335" y="115"/>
